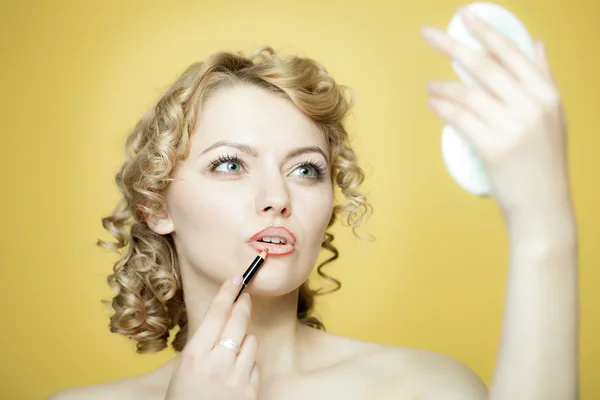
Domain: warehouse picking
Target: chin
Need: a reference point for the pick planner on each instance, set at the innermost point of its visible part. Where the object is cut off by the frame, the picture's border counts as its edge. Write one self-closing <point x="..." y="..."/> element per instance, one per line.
<point x="272" y="282"/>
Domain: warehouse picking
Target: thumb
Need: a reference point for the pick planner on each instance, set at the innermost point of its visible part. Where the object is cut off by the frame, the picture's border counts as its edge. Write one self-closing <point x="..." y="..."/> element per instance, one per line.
<point x="255" y="377"/>
<point x="541" y="60"/>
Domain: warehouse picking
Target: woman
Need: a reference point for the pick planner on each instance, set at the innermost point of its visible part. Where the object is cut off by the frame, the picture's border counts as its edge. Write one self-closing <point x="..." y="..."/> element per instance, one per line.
<point x="242" y="151"/>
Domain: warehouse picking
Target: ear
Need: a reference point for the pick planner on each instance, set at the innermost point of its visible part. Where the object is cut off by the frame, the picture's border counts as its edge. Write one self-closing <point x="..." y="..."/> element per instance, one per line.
<point x="160" y="222"/>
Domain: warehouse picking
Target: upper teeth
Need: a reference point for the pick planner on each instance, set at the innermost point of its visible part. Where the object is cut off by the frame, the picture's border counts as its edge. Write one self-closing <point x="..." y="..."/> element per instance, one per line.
<point x="269" y="239"/>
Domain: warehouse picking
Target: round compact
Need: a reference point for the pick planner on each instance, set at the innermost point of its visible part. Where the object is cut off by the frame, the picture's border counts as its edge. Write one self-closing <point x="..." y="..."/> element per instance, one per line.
<point x="460" y="157"/>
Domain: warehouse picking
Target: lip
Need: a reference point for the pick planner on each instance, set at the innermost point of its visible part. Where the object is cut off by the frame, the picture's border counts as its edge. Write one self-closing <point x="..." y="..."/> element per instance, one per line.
<point x="274" y="249"/>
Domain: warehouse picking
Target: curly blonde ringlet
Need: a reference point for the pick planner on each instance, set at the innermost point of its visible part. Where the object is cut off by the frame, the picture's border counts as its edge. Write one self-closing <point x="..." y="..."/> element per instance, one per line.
<point x="146" y="278"/>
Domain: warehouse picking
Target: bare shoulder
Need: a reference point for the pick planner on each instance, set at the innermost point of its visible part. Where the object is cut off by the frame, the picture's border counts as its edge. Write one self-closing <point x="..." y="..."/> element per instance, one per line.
<point x="84" y="392"/>
<point x="441" y="376"/>
<point x="123" y="389"/>
<point x="149" y="386"/>
<point x="397" y="372"/>
<point x="416" y="372"/>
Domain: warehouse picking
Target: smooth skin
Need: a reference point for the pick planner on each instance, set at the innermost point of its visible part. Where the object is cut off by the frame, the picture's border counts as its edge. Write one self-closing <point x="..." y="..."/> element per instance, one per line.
<point x="518" y="127"/>
<point x="209" y="371"/>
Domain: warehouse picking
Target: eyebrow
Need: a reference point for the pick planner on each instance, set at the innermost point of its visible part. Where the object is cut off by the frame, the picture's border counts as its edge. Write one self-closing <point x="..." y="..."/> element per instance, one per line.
<point x="254" y="153"/>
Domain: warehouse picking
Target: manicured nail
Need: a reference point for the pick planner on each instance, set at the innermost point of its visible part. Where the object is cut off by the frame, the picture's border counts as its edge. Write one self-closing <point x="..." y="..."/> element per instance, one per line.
<point x="467" y="15"/>
<point x="432" y="87"/>
<point x="434" y="104"/>
<point x="237" y="279"/>
<point x="543" y="47"/>
<point x="430" y="34"/>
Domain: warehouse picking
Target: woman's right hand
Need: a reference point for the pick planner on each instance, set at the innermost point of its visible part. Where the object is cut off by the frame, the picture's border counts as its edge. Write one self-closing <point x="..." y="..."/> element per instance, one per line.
<point x="208" y="370"/>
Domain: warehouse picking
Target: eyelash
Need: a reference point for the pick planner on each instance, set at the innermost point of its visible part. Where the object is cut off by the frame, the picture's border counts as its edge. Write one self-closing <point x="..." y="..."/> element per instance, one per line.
<point x="223" y="158"/>
<point x="319" y="166"/>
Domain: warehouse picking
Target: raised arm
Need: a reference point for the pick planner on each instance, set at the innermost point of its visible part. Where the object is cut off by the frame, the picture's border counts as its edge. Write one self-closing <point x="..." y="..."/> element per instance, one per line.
<point x="518" y="127"/>
<point x="538" y="347"/>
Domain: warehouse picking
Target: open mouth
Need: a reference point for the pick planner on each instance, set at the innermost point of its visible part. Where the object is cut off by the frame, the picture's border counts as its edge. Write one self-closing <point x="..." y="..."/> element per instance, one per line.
<point x="276" y="240"/>
<point x="273" y="249"/>
<point x="272" y="240"/>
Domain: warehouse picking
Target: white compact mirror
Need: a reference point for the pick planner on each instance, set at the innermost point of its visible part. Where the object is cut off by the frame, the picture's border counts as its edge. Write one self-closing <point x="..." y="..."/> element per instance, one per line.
<point x="459" y="156"/>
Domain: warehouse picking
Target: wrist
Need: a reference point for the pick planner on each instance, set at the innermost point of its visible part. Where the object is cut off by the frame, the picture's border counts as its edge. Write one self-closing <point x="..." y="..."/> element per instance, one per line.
<point x="552" y="226"/>
<point x="539" y="203"/>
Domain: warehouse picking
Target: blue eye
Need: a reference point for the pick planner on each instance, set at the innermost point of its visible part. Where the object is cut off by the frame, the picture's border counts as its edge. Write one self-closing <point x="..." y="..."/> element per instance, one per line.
<point x="233" y="165"/>
<point x="313" y="170"/>
<point x="307" y="171"/>
<point x="229" y="166"/>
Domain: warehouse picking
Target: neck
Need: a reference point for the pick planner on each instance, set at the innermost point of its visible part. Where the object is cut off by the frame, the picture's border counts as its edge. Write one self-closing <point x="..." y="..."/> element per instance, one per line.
<point x="281" y="338"/>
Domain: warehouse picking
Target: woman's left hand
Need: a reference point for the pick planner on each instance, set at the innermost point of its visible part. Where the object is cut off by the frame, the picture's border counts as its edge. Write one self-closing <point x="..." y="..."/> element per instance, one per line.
<point x="515" y="120"/>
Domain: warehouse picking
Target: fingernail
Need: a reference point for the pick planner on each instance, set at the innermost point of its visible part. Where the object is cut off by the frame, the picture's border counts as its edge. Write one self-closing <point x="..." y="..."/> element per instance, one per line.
<point x="237" y="279"/>
<point x="430" y="34"/>
<point x="467" y="14"/>
<point x="434" y="104"/>
<point x="543" y="47"/>
<point x="432" y="87"/>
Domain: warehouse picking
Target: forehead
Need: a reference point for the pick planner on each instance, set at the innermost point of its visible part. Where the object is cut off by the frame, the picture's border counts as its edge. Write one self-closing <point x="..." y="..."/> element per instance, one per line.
<point x="253" y="116"/>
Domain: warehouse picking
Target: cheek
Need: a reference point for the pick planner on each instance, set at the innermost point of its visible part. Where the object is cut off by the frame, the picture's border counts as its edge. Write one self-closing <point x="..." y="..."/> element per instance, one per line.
<point x="207" y="227"/>
<point x="202" y="218"/>
<point x="317" y="214"/>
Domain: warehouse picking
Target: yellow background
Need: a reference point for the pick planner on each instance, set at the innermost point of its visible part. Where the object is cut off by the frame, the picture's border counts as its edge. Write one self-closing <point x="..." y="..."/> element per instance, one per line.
<point x="75" y="78"/>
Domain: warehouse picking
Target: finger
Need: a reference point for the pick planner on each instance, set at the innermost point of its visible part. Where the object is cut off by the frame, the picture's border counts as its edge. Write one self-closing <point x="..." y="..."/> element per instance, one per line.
<point x="465" y="121"/>
<point x="245" y="361"/>
<point x="215" y="318"/>
<point x="541" y="60"/>
<point x="488" y="109"/>
<point x="235" y="329"/>
<point x="255" y="377"/>
<point x="508" y="53"/>
<point x="479" y="65"/>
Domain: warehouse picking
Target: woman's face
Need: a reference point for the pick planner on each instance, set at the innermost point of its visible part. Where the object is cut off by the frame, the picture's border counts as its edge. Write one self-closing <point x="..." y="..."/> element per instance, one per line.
<point x="255" y="162"/>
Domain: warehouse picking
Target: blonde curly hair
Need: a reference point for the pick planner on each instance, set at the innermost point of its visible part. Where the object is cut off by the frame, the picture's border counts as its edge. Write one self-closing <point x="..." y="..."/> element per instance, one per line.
<point x="146" y="278"/>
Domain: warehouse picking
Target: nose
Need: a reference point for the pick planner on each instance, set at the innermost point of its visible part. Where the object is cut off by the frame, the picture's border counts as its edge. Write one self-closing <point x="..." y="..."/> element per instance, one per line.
<point x="274" y="199"/>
